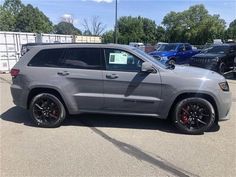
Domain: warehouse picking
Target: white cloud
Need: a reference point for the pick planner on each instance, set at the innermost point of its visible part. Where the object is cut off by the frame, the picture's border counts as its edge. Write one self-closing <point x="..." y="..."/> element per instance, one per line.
<point x="107" y="1"/>
<point x="66" y="16"/>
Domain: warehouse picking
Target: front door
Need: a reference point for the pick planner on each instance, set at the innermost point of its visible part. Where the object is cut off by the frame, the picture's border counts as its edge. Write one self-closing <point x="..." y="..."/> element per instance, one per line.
<point x="126" y="88"/>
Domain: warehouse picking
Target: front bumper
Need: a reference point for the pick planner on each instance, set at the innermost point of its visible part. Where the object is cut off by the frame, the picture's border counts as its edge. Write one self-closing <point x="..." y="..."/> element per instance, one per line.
<point x="224" y="104"/>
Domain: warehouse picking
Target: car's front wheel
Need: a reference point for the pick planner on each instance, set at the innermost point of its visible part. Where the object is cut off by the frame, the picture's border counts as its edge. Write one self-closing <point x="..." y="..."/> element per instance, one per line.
<point x="47" y="110"/>
<point x="222" y="68"/>
<point x="171" y="62"/>
<point x="193" y="115"/>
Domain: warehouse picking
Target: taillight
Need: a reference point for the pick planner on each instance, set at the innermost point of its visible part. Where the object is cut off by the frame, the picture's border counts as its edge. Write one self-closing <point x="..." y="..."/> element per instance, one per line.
<point x="14" y="72"/>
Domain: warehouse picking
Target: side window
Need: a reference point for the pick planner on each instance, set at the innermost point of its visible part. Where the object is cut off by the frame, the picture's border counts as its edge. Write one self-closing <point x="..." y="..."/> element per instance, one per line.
<point x="181" y="48"/>
<point x="47" y="58"/>
<point x="83" y="58"/>
<point x="118" y="60"/>
<point x="187" y="47"/>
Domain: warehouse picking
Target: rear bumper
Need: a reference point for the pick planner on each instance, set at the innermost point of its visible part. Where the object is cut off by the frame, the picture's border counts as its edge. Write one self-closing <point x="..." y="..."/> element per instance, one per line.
<point x="19" y="96"/>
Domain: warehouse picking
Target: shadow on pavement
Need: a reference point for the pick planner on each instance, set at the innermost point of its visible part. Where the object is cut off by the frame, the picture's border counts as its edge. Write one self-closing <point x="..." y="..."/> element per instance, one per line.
<point x="21" y="116"/>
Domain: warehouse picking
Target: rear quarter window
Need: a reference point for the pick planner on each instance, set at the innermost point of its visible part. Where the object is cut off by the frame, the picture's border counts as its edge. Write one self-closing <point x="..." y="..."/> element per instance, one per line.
<point x="47" y="58"/>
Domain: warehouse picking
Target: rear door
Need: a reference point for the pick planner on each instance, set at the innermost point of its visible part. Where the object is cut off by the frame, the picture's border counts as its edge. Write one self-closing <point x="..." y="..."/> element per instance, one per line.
<point x="81" y="77"/>
<point x="126" y="88"/>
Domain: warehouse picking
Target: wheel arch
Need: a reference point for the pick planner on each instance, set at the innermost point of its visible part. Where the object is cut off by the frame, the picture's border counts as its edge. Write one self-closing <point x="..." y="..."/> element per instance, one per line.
<point x="37" y="90"/>
<point x="200" y="95"/>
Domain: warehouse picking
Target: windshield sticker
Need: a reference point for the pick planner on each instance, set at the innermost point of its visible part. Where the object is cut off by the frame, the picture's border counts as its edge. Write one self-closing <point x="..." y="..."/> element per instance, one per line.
<point x="118" y="58"/>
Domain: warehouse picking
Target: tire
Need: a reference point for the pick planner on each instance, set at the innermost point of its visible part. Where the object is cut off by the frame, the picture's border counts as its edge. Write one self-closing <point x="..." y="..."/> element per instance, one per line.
<point x="193" y="115"/>
<point x="171" y="62"/>
<point x="222" y="68"/>
<point x="47" y="110"/>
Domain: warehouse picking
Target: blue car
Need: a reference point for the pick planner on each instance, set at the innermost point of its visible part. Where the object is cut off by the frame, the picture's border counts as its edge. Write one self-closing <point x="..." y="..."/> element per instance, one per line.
<point x="172" y="53"/>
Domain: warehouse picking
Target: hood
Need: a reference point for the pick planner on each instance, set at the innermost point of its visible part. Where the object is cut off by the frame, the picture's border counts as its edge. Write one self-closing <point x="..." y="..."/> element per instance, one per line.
<point x="163" y="53"/>
<point x="197" y="73"/>
<point x="208" y="55"/>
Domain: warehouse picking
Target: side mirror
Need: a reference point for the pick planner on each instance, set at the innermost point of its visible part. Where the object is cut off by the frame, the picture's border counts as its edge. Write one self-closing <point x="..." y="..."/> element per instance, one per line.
<point x="147" y="67"/>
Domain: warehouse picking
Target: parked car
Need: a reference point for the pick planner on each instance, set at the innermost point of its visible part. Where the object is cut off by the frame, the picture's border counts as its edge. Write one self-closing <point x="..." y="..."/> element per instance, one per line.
<point x="139" y="45"/>
<point x="53" y="81"/>
<point x="172" y="53"/>
<point x="219" y="58"/>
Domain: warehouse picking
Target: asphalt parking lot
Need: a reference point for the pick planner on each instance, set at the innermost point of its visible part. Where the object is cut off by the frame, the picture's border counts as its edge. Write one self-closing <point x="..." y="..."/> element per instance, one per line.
<point x="98" y="145"/>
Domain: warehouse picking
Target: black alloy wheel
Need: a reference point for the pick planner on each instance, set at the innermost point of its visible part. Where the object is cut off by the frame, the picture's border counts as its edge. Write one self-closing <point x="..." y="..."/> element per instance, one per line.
<point x="47" y="110"/>
<point x="194" y="115"/>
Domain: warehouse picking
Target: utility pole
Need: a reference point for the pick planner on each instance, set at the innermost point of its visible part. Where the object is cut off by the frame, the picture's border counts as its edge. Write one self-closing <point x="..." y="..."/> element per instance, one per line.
<point x="115" y="35"/>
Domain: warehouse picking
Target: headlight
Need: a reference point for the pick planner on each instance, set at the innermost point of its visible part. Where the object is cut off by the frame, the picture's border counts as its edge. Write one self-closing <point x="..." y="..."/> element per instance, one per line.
<point x="224" y="86"/>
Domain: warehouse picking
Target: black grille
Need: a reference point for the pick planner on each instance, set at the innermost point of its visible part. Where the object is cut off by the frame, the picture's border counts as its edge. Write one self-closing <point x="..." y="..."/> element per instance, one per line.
<point x="201" y="60"/>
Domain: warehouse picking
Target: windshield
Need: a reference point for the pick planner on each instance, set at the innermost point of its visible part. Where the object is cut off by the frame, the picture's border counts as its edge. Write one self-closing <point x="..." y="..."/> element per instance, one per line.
<point x="167" y="47"/>
<point x="217" y="49"/>
<point x="140" y="52"/>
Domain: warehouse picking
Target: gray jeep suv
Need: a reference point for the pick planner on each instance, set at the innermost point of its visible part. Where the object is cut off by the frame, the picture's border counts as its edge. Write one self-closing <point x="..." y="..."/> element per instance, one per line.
<point x="53" y="81"/>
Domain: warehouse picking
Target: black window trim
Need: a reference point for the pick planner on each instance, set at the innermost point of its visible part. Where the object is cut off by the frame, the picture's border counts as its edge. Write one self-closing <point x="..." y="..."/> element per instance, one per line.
<point x="62" y="58"/>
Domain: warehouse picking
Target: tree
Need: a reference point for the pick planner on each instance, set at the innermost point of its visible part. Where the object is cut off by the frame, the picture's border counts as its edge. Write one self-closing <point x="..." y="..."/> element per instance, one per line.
<point x="66" y="28"/>
<point x="138" y="29"/>
<point x="194" y="25"/>
<point x="7" y="20"/>
<point x="160" y="34"/>
<point x="231" y="31"/>
<point x="108" y="37"/>
<point x="8" y="12"/>
<point x="149" y="30"/>
<point x="31" y="19"/>
<point x="130" y="29"/>
<point x="13" y="6"/>
<point x="96" y="27"/>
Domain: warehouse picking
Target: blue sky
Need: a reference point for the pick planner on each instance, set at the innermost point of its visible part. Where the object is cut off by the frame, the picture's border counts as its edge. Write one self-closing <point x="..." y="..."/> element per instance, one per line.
<point x="153" y="9"/>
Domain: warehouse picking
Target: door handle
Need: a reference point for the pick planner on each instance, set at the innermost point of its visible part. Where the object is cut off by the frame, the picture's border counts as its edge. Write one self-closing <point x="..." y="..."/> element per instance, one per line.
<point x="63" y="73"/>
<point x="112" y="76"/>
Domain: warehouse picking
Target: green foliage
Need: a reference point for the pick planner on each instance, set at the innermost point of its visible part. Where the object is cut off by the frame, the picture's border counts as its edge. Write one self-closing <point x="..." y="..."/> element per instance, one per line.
<point x="13" y="6"/>
<point x="31" y="19"/>
<point x="14" y="16"/>
<point x="231" y="31"/>
<point x="7" y="20"/>
<point x="108" y="37"/>
<point x="66" y="28"/>
<point x="194" y="25"/>
<point x="160" y="34"/>
<point x="138" y="29"/>
<point x="8" y="12"/>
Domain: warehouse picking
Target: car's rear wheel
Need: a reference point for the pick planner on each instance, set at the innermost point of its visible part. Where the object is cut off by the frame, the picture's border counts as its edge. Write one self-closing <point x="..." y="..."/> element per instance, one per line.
<point x="47" y="110"/>
<point x="193" y="115"/>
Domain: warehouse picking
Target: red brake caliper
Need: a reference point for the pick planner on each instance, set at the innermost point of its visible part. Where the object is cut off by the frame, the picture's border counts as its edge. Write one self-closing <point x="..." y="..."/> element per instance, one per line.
<point x="184" y="116"/>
